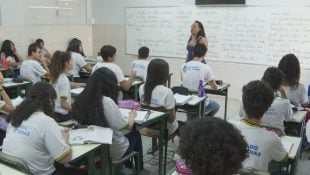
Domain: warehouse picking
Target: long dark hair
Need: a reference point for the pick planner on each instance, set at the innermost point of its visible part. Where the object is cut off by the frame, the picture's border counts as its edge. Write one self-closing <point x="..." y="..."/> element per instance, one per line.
<point x="58" y="64"/>
<point x="41" y="96"/>
<point x="74" y="45"/>
<point x="88" y="107"/>
<point x="200" y="33"/>
<point x="290" y="66"/>
<point x="157" y="74"/>
<point x="6" y="49"/>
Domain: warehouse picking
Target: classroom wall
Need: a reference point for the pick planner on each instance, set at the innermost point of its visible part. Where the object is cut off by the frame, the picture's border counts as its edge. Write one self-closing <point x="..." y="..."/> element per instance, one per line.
<point x="13" y="26"/>
<point x="109" y="28"/>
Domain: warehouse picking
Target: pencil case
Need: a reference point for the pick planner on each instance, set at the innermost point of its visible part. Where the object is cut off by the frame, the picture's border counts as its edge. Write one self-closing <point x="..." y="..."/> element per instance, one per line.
<point x="129" y="104"/>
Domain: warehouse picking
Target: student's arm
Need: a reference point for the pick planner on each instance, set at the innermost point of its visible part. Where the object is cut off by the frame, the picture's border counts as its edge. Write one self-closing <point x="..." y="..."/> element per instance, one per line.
<point x="48" y="54"/>
<point x="126" y="84"/>
<point x="87" y="67"/>
<point x="67" y="158"/>
<point x="204" y="42"/>
<point x="1" y="78"/>
<point x="170" y="106"/>
<point x="282" y="92"/>
<point x="171" y="117"/>
<point x="8" y="107"/>
<point x="13" y="64"/>
<point x="131" y="119"/>
<point x="43" y="62"/>
<point x="64" y="104"/>
<point x="74" y="85"/>
<point x="213" y="84"/>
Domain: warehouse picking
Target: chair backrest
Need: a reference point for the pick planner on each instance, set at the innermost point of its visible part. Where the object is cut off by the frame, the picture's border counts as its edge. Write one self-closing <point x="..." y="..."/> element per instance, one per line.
<point x="14" y="162"/>
<point x="160" y="109"/>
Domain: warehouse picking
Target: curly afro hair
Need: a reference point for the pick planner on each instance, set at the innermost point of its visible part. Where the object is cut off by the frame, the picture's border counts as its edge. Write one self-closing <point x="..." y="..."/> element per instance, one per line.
<point x="212" y="146"/>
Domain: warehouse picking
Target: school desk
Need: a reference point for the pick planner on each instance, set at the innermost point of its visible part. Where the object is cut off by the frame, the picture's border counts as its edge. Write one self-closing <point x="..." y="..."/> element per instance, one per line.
<point x="222" y="91"/>
<point x="195" y="105"/>
<point x="18" y="89"/>
<point x="6" y="170"/>
<point x="294" y="152"/>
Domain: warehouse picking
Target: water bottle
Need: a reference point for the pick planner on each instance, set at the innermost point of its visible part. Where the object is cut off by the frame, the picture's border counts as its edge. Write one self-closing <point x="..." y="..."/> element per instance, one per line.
<point x="201" y="90"/>
<point x="308" y="95"/>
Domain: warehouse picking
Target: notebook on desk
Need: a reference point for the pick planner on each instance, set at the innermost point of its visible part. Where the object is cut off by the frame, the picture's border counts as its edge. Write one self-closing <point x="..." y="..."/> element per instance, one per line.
<point x="76" y="91"/>
<point x="142" y="116"/>
<point x="182" y="99"/>
<point x="287" y="145"/>
<point x="91" y="134"/>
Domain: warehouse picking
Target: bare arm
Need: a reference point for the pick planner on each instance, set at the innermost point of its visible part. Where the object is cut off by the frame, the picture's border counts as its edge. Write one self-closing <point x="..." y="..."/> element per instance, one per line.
<point x="171" y="117"/>
<point x="204" y="41"/>
<point x="65" y="135"/>
<point x="8" y="107"/>
<point x="131" y="119"/>
<point x="283" y="94"/>
<point x="213" y="84"/>
<point x="88" y="67"/>
<point x="64" y="104"/>
<point x="127" y="83"/>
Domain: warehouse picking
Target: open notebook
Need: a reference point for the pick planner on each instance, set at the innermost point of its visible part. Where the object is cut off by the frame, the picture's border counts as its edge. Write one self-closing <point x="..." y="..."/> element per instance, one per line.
<point x="91" y="134"/>
<point x="141" y="117"/>
<point x="287" y="145"/>
<point x="182" y="99"/>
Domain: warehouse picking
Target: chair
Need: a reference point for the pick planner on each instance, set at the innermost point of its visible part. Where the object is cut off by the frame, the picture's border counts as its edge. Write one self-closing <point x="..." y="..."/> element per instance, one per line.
<point x="119" y="169"/>
<point x="14" y="162"/>
<point x="146" y="131"/>
<point x="252" y="172"/>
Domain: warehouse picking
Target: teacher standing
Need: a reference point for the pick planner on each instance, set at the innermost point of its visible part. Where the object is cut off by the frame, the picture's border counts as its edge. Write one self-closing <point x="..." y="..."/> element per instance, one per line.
<point x="197" y="36"/>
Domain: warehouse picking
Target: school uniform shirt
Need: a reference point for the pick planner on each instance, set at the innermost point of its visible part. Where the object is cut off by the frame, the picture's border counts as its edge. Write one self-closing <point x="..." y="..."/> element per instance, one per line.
<point x="279" y="111"/>
<point x="38" y="141"/>
<point x="11" y="59"/>
<point x="192" y="72"/>
<point x="114" y="68"/>
<point x="3" y="122"/>
<point x="62" y="88"/>
<point x="118" y="124"/>
<point x="140" y="66"/>
<point x="78" y="63"/>
<point x="263" y="146"/>
<point x="296" y="96"/>
<point x="308" y="131"/>
<point x="162" y="97"/>
<point x="32" y="70"/>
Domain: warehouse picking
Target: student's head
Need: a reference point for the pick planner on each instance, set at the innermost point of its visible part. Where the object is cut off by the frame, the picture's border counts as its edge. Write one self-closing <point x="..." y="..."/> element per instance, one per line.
<point x="212" y="146"/>
<point x="257" y="97"/>
<point x="8" y="47"/>
<point x="40" y="97"/>
<point x="198" y="29"/>
<point x="157" y="74"/>
<point x="199" y="50"/>
<point x="34" y="51"/>
<point x="61" y="63"/>
<point x="108" y="53"/>
<point x="40" y="43"/>
<point x="88" y="107"/>
<point x="143" y="52"/>
<point x="289" y="65"/>
<point x="274" y="77"/>
<point x="75" y="45"/>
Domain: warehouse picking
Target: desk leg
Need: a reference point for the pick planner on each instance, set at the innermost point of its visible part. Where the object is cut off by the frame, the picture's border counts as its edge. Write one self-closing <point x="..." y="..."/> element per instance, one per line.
<point x="105" y="160"/>
<point x="225" y="110"/>
<point x="162" y="163"/>
<point x="202" y="109"/>
<point x="91" y="163"/>
<point x="136" y="92"/>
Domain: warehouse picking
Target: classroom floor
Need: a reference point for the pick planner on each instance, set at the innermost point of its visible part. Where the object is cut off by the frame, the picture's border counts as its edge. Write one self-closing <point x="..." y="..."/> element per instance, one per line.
<point x="151" y="161"/>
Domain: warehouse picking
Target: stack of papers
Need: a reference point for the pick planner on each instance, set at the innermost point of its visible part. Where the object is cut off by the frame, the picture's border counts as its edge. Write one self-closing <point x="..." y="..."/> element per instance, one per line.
<point x="287" y="145"/>
<point x="76" y="91"/>
<point x="142" y="116"/>
<point x="182" y="99"/>
<point x="91" y="134"/>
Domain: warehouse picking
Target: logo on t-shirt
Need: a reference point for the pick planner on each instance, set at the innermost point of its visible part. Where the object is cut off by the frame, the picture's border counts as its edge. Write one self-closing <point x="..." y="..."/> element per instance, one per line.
<point x="254" y="150"/>
<point x="23" y="130"/>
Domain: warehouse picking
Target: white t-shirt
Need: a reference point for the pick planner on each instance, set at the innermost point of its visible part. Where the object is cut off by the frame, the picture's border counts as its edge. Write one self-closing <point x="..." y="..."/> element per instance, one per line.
<point x="114" y="68"/>
<point x="78" y="63"/>
<point x="162" y="97"/>
<point x="140" y="66"/>
<point x="117" y="122"/>
<point x="62" y="88"/>
<point x="263" y="146"/>
<point x="279" y="111"/>
<point x="38" y="141"/>
<point x="10" y="58"/>
<point x="194" y="71"/>
<point x="32" y="70"/>
<point x="297" y="96"/>
<point x="308" y="131"/>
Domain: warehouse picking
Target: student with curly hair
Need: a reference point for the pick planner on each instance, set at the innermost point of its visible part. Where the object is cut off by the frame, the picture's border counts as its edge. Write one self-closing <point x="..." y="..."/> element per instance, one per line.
<point x="212" y="146"/>
<point x="263" y="145"/>
<point x="295" y="91"/>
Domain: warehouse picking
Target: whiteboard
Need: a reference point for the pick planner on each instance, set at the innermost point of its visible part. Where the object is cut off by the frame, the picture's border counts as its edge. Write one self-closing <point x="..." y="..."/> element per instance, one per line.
<point x="251" y="35"/>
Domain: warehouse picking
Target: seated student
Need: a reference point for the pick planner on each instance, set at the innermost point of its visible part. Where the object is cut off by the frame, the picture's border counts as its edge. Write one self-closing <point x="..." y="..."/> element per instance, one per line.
<point x="295" y="91"/>
<point x="9" y="51"/>
<point x="44" y="52"/>
<point x="194" y="71"/>
<point x="34" y="136"/>
<point x="6" y="107"/>
<point x="108" y="54"/>
<point x="77" y="54"/>
<point x="31" y="69"/>
<point x="280" y="109"/>
<point x="308" y="131"/>
<point x="264" y="146"/>
<point x="140" y="65"/>
<point x="155" y="94"/>
<point x="60" y="66"/>
<point x="97" y="105"/>
<point x="211" y="146"/>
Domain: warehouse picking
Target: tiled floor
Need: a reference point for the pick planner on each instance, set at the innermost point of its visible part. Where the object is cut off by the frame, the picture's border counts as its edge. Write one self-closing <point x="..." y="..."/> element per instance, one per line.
<point x="151" y="162"/>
